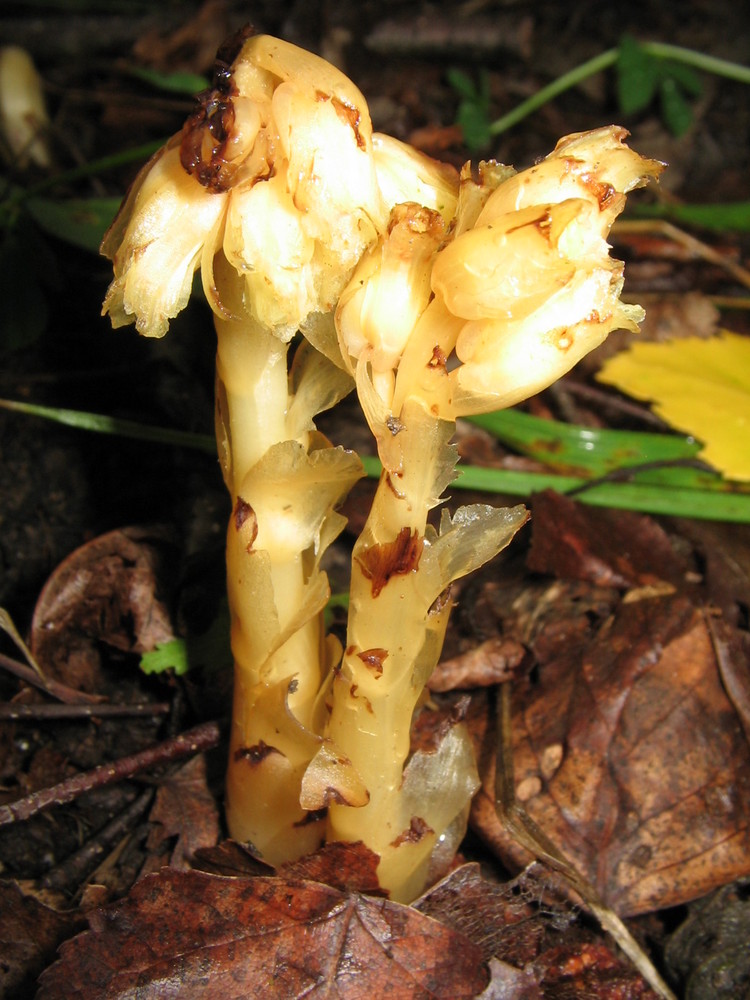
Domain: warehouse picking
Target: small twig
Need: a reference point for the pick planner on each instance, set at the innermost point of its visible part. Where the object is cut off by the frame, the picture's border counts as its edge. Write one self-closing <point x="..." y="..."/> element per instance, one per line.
<point x="697" y="248"/>
<point x="16" y="713"/>
<point x="525" y="831"/>
<point x="604" y="398"/>
<point x="52" y="687"/>
<point x="202" y="737"/>
<point x="626" y="472"/>
<point x="77" y="866"/>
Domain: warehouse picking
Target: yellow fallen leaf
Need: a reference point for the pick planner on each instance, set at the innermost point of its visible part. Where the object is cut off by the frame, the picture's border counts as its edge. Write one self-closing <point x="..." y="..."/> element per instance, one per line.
<point x="700" y="386"/>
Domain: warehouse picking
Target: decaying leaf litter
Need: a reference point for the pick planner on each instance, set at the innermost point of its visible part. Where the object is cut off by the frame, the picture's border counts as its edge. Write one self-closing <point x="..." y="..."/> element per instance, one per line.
<point x="688" y="587"/>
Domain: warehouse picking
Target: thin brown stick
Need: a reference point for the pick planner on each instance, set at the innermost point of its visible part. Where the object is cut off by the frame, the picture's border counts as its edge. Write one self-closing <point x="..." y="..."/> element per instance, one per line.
<point x="605" y="399"/>
<point x="39" y="713"/>
<point x="52" y="687"/>
<point x="202" y="737"/>
<point x="77" y="866"/>
<point x="697" y="248"/>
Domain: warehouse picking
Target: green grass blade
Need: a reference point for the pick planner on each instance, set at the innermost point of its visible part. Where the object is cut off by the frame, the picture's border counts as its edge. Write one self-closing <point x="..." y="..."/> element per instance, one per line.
<point x="729" y="504"/>
<point x="720" y="501"/>
<point x="583" y="451"/>
<point x="726" y="215"/>
<point x="101" y="424"/>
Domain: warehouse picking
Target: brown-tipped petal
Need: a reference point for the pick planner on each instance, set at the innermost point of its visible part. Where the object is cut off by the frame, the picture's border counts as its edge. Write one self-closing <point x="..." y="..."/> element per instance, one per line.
<point x="166" y="224"/>
<point x="596" y="166"/>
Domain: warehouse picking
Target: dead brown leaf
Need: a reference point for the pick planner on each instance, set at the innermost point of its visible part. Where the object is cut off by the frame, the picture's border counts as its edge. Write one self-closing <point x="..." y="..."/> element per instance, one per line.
<point x="205" y="936"/>
<point x="108" y="591"/>
<point x="496" y="916"/>
<point x="29" y="934"/>
<point x="630" y="757"/>
<point x="530" y="937"/>
<point x="609" y="548"/>
<point x="491" y="662"/>
<point x="349" y="867"/>
<point x="184" y="809"/>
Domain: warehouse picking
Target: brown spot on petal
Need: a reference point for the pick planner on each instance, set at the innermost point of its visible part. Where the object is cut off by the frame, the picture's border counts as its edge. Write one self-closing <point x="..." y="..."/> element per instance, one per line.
<point x="257" y="753"/>
<point x="389" y="477"/>
<point x="333" y="796"/>
<point x="564" y="340"/>
<point x="373" y="658"/>
<point x="604" y="193"/>
<point x="438" y="359"/>
<point x="382" y="561"/>
<point x="418" y="828"/>
<point x="352" y="117"/>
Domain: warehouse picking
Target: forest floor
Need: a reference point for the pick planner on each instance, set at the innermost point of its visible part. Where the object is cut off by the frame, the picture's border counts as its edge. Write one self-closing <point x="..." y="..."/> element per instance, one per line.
<point x="626" y="635"/>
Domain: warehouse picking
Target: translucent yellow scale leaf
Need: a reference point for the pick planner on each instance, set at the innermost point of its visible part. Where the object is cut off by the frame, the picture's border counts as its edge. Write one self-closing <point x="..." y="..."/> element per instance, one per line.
<point x="700" y="386"/>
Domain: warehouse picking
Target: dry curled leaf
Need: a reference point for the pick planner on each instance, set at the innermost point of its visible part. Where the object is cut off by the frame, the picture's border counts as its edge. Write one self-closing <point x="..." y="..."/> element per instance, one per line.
<point x="185" y="810"/>
<point x="530" y="937"/>
<point x="108" y="591"/>
<point x="630" y="756"/>
<point x="609" y="548"/>
<point x="29" y="934"/>
<point x="212" y="938"/>
<point x="491" y="662"/>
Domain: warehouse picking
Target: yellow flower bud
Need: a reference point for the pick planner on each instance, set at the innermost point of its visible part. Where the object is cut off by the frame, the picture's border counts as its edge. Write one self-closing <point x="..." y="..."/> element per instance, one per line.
<point x="390" y="288"/>
<point x="405" y="174"/>
<point x="23" y="113"/>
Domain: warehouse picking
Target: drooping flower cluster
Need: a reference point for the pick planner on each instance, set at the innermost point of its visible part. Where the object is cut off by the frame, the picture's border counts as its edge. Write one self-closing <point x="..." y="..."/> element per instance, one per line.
<point x="278" y="172"/>
<point x="519" y="289"/>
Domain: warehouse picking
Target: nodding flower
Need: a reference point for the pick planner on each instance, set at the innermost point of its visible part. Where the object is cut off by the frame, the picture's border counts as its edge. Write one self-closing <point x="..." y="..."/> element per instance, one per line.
<point x="532" y="281"/>
<point x="274" y="171"/>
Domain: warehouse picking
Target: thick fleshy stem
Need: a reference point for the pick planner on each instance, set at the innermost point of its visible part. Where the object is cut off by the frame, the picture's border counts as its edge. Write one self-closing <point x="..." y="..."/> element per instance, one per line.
<point x="276" y="591"/>
<point x="398" y="612"/>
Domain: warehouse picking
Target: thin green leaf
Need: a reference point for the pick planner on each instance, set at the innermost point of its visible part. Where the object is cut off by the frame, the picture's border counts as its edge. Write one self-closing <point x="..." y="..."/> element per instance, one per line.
<point x="81" y="222"/>
<point x="727" y="215"/>
<point x="175" y="83"/>
<point x="583" y="451"/>
<point x="8" y="626"/>
<point x="732" y="503"/>
<point x="637" y="76"/>
<point x="102" y="424"/>
<point x="462" y="84"/>
<point x="475" y="125"/>
<point x="684" y="76"/>
<point x="719" y="500"/>
<point x="675" y="110"/>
